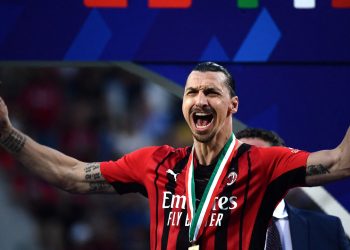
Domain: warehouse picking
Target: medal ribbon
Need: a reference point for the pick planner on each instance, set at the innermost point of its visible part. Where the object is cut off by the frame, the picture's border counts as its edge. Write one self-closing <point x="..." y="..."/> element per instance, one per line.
<point x="198" y="217"/>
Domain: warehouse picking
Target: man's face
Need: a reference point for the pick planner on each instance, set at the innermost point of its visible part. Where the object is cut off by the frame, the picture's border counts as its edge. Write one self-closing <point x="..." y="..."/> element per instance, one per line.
<point x="256" y="142"/>
<point x="207" y="105"/>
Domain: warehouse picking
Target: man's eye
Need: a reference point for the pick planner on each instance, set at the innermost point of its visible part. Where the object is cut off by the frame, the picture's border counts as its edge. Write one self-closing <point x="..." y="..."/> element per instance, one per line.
<point x="212" y="94"/>
<point x="191" y="92"/>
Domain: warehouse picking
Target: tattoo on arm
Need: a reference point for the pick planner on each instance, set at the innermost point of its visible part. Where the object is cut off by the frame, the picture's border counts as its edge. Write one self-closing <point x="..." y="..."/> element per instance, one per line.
<point x="94" y="177"/>
<point x="100" y="187"/>
<point x="92" y="172"/>
<point x="14" y="142"/>
<point x="316" y="170"/>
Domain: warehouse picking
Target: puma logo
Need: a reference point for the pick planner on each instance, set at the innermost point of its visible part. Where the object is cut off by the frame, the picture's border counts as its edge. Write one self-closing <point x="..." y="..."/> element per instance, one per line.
<point x="170" y="171"/>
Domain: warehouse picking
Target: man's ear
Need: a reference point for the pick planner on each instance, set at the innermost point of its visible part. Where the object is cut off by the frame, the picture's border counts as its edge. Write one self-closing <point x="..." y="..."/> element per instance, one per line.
<point x="234" y="105"/>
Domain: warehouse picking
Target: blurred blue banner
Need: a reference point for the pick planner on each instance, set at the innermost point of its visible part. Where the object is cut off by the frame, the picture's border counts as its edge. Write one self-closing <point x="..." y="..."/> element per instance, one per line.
<point x="177" y="30"/>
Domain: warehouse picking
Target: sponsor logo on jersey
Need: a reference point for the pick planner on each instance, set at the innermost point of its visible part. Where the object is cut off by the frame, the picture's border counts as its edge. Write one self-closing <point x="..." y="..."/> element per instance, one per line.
<point x="171" y="172"/>
<point x="178" y="204"/>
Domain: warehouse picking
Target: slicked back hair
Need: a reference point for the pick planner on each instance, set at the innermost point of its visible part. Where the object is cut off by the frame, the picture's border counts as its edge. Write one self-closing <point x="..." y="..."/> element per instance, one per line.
<point x="263" y="134"/>
<point x="214" y="67"/>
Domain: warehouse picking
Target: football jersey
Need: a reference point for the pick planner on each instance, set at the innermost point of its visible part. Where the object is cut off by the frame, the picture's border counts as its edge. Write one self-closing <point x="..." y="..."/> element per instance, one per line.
<point x="256" y="180"/>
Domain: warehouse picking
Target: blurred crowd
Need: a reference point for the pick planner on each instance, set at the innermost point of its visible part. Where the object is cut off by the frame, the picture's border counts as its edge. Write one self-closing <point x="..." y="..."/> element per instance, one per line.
<point x="93" y="114"/>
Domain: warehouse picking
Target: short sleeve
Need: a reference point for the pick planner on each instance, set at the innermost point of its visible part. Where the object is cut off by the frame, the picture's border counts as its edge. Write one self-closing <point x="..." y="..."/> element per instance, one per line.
<point x="133" y="167"/>
<point x="283" y="161"/>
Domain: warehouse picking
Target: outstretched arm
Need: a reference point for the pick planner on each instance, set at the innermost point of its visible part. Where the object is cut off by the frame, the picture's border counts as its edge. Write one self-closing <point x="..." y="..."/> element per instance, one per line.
<point x="51" y="165"/>
<point x="329" y="165"/>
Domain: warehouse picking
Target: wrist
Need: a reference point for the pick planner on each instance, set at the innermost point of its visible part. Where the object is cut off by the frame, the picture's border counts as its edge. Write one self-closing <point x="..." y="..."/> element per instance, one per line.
<point x="12" y="140"/>
<point x="5" y="133"/>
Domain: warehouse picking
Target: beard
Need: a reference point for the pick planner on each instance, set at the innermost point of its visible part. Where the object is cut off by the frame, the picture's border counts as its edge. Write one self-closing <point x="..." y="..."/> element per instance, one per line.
<point x="203" y="138"/>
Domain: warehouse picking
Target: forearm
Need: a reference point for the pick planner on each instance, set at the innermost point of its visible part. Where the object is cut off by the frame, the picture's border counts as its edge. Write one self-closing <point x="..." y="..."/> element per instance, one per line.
<point x="326" y="166"/>
<point x="55" y="167"/>
<point x="51" y="165"/>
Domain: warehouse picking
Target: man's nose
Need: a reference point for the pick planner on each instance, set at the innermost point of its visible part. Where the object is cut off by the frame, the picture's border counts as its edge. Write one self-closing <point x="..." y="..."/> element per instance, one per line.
<point x="202" y="99"/>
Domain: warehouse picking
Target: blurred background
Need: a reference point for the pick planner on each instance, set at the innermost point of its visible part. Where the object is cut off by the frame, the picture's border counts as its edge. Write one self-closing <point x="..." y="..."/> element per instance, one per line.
<point x="93" y="114"/>
<point x="99" y="78"/>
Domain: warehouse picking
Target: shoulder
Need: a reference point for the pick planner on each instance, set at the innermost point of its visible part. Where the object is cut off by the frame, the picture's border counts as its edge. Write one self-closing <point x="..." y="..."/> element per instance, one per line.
<point x="255" y="150"/>
<point x="159" y="152"/>
<point x="275" y="152"/>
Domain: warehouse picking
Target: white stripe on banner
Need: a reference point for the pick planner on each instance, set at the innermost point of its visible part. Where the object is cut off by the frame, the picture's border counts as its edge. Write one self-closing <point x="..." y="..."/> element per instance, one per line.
<point x="304" y="4"/>
<point x="329" y="205"/>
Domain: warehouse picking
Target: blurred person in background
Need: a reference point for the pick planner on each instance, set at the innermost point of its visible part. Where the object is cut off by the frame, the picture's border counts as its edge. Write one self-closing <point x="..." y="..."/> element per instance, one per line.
<point x="297" y="228"/>
<point x="234" y="209"/>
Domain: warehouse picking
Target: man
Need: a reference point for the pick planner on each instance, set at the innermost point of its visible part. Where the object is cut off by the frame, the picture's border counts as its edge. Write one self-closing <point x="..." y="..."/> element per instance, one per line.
<point x="298" y="229"/>
<point x="244" y="183"/>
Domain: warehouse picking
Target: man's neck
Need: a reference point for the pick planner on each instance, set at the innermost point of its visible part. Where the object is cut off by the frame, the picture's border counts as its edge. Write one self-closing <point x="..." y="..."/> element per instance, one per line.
<point x="207" y="153"/>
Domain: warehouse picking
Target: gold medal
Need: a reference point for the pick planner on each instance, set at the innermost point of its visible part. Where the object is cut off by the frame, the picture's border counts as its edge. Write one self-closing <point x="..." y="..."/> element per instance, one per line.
<point x="194" y="247"/>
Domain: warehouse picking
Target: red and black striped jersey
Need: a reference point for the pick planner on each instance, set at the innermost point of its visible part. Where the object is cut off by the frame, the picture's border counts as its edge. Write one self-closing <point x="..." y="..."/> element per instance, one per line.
<point x="257" y="179"/>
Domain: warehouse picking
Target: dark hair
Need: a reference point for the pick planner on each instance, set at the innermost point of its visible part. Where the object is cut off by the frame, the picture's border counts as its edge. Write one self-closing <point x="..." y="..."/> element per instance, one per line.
<point x="265" y="135"/>
<point x="214" y="67"/>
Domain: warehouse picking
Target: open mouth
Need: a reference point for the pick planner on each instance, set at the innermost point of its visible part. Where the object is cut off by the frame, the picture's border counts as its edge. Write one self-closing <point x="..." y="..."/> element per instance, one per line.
<point x="202" y="120"/>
